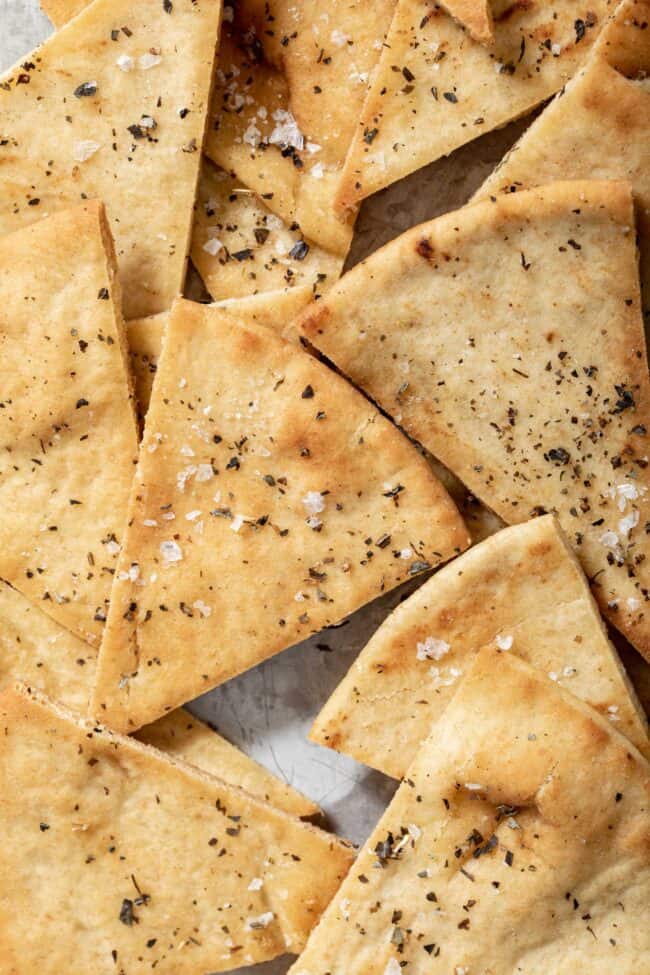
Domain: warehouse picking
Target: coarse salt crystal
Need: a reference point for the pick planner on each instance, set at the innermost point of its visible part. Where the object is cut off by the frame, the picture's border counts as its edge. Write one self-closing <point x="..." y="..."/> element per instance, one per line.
<point x="256" y="883"/>
<point x="627" y="523"/>
<point x="84" y="149"/>
<point x="205" y="611"/>
<point x="193" y="515"/>
<point x="504" y="642"/>
<point x="213" y="246"/>
<point x="393" y="968"/>
<point x="432" y="649"/>
<point x="149" y="60"/>
<point x="125" y="63"/>
<point x="262" y="921"/>
<point x="204" y="472"/>
<point x="171" y="551"/>
<point x="314" y="502"/>
<point x="633" y="603"/>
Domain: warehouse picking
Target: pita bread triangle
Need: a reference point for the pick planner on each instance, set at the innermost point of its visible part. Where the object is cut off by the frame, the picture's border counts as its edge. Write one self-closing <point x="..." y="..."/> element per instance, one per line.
<point x="606" y="104"/>
<point x="518" y="842"/>
<point x="436" y="88"/>
<point x="273" y="309"/>
<point x="289" y="89"/>
<point x="477" y="333"/>
<point x="521" y="588"/>
<point x="174" y="867"/>
<point x="239" y="247"/>
<point x="114" y="106"/>
<point x="35" y="648"/>
<point x="270" y="501"/>
<point x="67" y="426"/>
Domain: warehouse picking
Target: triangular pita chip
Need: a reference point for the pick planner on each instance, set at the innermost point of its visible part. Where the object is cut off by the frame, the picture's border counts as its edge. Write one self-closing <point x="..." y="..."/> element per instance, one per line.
<point x="522" y="588"/>
<point x="67" y="424"/>
<point x="239" y="247"/>
<point x="436" y="88"/>
<point x="114" y="106"/>
<point x="271" y="500"/>
<point x="507" y="338"/>
<point x="36" y="649"/>
<point x="289" y="90"/>
<point x="123" y="859"/>
<point x="597" y="128"/>
<point x="517" y="843"/>
<point x="274" y="309"/>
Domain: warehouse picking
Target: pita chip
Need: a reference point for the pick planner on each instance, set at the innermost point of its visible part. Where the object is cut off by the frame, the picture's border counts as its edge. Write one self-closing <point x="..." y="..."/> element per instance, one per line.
<point x="518" y="842"/>
<point x="271" y="500"/>
<point x="119" y="852"/>
<point x="67" y="426"/>
<point x="606" y="104"/>
<point x="240" y="247"/>
<point x="521" y="589"/>
<point x="113" y="107"/>
<point x="507" y="338"/>
<point x="273" y="309"/>
<point x="36" y="649"/>
<point x="436" y="87"/>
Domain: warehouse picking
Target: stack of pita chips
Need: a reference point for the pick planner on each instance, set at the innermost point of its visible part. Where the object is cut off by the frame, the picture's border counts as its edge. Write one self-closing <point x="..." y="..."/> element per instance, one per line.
<point x="521" y="590"/>
<point x="518" y="841"/>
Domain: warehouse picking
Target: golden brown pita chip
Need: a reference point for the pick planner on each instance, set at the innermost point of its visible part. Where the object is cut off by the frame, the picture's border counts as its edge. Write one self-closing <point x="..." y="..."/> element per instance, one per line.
<point x="436" y="88"/>
<point x="67" y="424"/>
<point x="518" y="842"/>
<point x="121" y="858"/>
<point x="507" y="338"/>
<point x="113" y="107"/>
<point x="271" y="500"/>
<point x="273" y="309"/>
<point x="597" y="128"/>
<point x="36" y="649"/>
<point x="522" y="588"/>
<point x="290" y="89"/>
<point x="239" y="247"/>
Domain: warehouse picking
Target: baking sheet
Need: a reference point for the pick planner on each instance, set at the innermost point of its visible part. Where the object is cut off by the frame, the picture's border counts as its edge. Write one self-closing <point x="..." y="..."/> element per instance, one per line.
<point x="267" y="712"/>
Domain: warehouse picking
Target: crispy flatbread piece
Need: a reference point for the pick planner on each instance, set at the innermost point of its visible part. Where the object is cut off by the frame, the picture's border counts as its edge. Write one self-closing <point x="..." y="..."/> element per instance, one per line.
<point x="522" y="588"/>
<point x="607" y="104"/>
<point x="114" y="107"/>
<point x="518" y="843"/>
<point x="118" y="852"/>
<point x="67" y="426"/>
<point x="290" y="88"/>
<point x="239" y="247"/>
<point x="36" y="649"/>
<point x="507" y="338"/>
<point x="271" y="500"/>
<point x="436" y="88"/>
<point x="273" y="309"/>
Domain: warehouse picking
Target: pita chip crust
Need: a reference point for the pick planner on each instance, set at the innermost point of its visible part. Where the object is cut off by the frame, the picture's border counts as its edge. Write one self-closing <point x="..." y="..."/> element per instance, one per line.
<point x="517" y="326"/>
<point x="68" y="432"/>
<point x="475" y="15"/>
<point x="98" y="115"/>
<point x="240" y="247"/>
<point x="518" y="842"/>
<point x="36" y="649"/>
<point x="521" y="589"/>
<point x="436" y="88"/>
<point x="606" y="104"/>
<point x="166" y="865"/>
<point x="270" y="501"/>
<point x="273" y="309"/>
